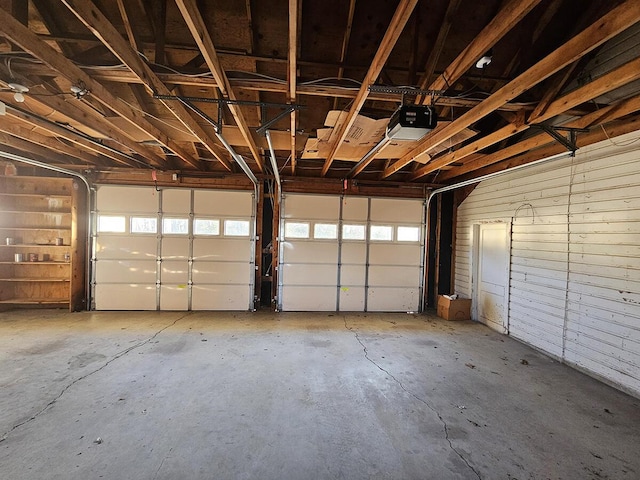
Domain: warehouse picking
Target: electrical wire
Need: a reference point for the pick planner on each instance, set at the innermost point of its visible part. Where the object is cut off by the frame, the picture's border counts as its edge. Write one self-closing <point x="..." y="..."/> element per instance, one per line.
<point x="618" y="144"/>
<point x="156" y="118"/>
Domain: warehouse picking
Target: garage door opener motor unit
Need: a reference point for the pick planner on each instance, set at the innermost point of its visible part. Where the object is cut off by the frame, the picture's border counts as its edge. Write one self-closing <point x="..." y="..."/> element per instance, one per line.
<point x="412" y="122"/>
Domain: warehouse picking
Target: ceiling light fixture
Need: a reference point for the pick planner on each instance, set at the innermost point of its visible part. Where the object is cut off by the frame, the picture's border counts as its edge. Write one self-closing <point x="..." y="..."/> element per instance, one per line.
<point x="18" y="91"/>
<point x="485" y="60"/>
<point x="79" y="91"/>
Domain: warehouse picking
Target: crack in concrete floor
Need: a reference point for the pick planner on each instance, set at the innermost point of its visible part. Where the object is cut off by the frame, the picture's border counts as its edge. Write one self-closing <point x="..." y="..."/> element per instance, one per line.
<point x="87" y="375"/>
<point x="409" y="392"/>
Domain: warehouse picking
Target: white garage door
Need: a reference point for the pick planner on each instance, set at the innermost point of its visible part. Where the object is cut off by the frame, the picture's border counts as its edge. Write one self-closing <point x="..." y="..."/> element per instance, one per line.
<point x="350" y="254"/>
<point x="173" y="249"/>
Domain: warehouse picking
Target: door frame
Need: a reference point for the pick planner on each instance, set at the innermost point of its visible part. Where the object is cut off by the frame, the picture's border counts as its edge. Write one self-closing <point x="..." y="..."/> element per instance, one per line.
<point x="475" y="269"/>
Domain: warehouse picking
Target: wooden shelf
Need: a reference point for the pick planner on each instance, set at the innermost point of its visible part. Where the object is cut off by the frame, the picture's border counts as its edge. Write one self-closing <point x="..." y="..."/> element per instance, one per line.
<point x="36" y="279"/>
<point x="36" y="301"/>
<point x="33" y="228"/>
<point x="33" y="195"/>
<point x="36" y="245"/>
<point x="36" y="212"/>
<point x="44" y="212"/>
<point x="35" y="263"/>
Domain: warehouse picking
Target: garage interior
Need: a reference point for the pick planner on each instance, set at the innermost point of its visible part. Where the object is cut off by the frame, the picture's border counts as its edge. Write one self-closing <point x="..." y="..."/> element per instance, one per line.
<point x="233" y="229"/>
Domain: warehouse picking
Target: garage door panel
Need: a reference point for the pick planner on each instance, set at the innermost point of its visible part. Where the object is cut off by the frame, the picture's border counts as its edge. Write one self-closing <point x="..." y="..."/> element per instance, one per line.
<point x="393" y="276"/>
<point x="126" y="271"/>
<point x="175" y="248"/>
<point x="312" y="207"/>
<point x="220" y="297"/>
<point x="126" y="199"/>
<point x="301" y="298"/>
<point x="311" y="252"/>
<point x="174" y="297"/>
<point x="309" y="274"/>
<point x="353" y="275"/>
<point x="352" y="298"/>
<point x="355" y="209"/>
<point x="120" y="246"/>
<point x="174" y="272"/>
<point x="176" y="201"/>
<point x="396" y="210"/>
<point x="227" y="249"/>
<point x="126" y="265"/>
<point x="394" y="254"/>
<point x="390" y="270"/>
<point x="229" y="204"/>
<point x="393" y="299"/>
<point x="354" y="253"/>
<point x="221" y="272"/>
<point x="125" y="296"/>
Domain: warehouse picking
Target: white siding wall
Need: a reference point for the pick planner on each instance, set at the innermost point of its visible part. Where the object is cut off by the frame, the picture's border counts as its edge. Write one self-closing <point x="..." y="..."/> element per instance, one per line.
<point x="575" y="256"/>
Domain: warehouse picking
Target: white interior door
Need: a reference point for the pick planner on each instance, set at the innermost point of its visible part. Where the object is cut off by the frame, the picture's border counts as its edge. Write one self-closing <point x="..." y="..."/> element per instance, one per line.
<point x="492" y="274"/>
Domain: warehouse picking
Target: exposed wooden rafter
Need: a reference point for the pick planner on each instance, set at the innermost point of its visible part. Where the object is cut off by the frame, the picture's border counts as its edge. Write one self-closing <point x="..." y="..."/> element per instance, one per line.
<point x="605" y="28"/>
<point x="131" y="34"/>
<point x="497" y="28"/>
<point x="29" y="42"/>
<point x="293" y="74"/>
<point x="200" y="33"/>
<point x="399" y="20"/>
<point x="614" y="79"/>
<point x="600" y="117"/>
<point x="102" y="28"/>
<point x="438" y="45"/>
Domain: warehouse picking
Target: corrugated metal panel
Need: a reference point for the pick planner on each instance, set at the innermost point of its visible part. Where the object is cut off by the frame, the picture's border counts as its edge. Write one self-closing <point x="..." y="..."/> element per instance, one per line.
<point x="575" y="256"/>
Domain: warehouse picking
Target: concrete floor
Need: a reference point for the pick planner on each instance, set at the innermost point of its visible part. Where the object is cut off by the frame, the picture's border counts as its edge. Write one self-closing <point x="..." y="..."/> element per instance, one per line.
<point x="297" y="396"/>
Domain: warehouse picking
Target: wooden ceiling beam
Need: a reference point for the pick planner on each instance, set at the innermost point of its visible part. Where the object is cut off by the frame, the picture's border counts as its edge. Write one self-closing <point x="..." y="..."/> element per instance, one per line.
<point x="292" y="74"/>
<point x="79" y="140"/>
<point x="602" y="30"/>
<point x="619" y="127"/>
<point x="77" y="111"/>
<point x="202" y="37"/>
<point x="498" y="27"/>
<point x="438" y="45"/>
<point x="399" y="20"/>
<point x="29" y="42"/>
<point x="19" y="146"/>
<point x="347" y="37"/>
<point x="618" y="77"/>
<point x="470" y="149"/>
<point x="50" y="143"/>
<point x="89" y="14"/>
<point x="600" y="117"/>
<point x="131" y="34"/>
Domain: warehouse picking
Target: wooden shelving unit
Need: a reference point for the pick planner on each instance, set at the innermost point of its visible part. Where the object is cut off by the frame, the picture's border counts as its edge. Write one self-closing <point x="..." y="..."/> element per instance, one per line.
<point x="41" y="221"/>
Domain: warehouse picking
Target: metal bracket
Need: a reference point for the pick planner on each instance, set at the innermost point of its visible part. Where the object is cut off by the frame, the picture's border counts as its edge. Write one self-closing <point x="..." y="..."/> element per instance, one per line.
<point x="262" y="129"/>
<point x="568" y="143"/>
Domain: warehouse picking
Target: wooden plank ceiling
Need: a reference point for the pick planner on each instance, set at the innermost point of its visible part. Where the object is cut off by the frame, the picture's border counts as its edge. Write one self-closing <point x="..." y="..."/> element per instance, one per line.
<point x="165" y="84"/>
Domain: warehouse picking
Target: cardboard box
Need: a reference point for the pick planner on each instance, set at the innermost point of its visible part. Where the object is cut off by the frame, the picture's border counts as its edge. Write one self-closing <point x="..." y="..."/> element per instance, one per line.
<point x="458" y="309"/>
